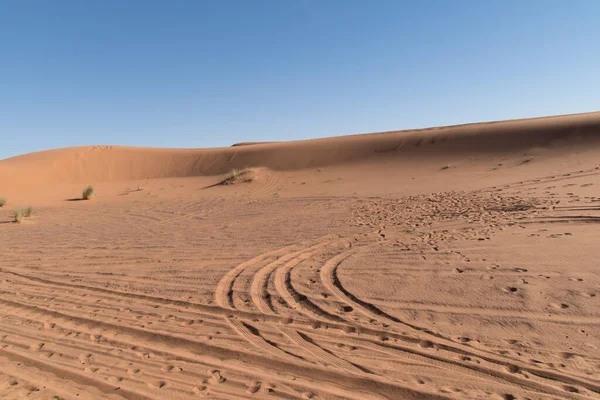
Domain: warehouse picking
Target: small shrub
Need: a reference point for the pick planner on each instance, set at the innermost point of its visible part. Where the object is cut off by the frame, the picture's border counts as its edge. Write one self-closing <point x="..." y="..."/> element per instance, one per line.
<point x="2" y="201"/>
<point x="237" y="175"/>
<point x="27" y="212"/>
<point x="17" y="216"/>
<point x="88" y="193"/>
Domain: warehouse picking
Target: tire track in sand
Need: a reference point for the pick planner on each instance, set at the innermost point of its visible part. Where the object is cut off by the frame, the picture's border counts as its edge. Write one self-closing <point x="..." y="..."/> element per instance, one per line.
<point x="260" y="281"/>
<point x="331" y="282"/>
<point x="224" y="290"/>
<point x="251" y="334"/>
<point x="305" y="343"/>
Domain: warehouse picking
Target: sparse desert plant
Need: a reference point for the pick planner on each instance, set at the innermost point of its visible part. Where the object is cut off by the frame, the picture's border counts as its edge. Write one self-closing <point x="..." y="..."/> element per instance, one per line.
<point x="2" y="201"/>
<point x="237" y="175"/>
<point x="88" y="193"/>
<point x="27" y="212"/>
<point x="17" y="216"/>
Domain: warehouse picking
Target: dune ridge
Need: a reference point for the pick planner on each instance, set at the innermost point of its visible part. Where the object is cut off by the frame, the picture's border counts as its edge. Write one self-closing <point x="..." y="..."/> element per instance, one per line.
<point x="114" y="163"/>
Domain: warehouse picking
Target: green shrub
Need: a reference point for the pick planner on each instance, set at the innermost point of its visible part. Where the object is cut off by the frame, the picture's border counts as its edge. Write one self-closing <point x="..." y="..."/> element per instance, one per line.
<point x="2" y="201"/>
<point x="27" y="212"/>
<point x="17" y="216"/>
<point x="88" y="193"/>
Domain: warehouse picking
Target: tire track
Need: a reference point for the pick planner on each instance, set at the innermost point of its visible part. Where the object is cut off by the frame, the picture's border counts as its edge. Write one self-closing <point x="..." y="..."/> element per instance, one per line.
<point x="305" y="343"/>
<point x="331" y="282"/>
<point x="491" y="312"/>
<point x="258" y="289"/>
<point x="318" y="379"/>
<point x="105" y="352"/>
<point x="223" y="312"/>
<point x="270" y="183"/>
<point x="295" y="300"/>
<point x="71" y="374"/>
<point x="462" y="368"/>
<point x="224" y="290"/>
<point x="211" y="310"/>
<point x="245" y="330"/>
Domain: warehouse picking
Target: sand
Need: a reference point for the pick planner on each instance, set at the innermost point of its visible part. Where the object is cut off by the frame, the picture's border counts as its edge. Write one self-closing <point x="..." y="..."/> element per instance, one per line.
<point x="452" y="262"/>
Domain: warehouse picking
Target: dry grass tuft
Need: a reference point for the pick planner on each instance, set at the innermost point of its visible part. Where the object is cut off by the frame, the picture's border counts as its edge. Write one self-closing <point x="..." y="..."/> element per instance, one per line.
<point x="88" y="193"/>
<point x="17" y="216"/>
<point x="27" y="212"/>
<point x="2" y="201"/>
<point x="237" y="176"/>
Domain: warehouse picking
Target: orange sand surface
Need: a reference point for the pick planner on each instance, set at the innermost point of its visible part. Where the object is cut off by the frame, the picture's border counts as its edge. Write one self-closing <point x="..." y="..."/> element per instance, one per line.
<point x="453" y="262"/>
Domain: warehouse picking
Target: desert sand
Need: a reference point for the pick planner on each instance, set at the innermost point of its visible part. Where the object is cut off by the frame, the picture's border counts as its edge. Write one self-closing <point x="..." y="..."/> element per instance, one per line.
<point x="452" y="262"/>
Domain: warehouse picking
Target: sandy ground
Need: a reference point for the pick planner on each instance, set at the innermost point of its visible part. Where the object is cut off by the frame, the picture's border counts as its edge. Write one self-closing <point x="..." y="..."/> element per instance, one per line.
<point x="458" y="262"/>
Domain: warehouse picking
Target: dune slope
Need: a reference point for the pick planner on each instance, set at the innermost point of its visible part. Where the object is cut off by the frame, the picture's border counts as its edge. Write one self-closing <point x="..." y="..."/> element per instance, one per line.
<point x="110" y="163"/>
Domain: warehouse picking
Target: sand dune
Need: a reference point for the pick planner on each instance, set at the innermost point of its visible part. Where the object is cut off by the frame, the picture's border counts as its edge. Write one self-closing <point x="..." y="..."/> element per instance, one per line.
<point x="113" y="163"/>
<point x="452" y="262"/>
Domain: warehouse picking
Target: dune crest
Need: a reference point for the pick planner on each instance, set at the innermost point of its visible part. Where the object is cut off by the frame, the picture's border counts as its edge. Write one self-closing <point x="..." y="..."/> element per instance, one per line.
<point x="116" y="163"/>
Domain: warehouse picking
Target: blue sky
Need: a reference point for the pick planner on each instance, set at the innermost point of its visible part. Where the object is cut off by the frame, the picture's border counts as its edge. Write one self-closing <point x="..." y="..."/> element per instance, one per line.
<point x="212" y="73"/>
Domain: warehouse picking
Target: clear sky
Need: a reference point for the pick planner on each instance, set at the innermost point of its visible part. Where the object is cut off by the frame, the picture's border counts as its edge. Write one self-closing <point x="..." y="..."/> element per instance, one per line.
<point x="212" y="73"/>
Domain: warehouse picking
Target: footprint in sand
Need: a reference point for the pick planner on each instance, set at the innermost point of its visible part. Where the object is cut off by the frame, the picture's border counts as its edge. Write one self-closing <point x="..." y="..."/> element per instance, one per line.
<point x="84" y="358"/>
<point x="95" y="338"/>
<point x="114" y="379"/>
<point x="36" y="346"/>
<point x="566" y="356"/>
<point x="156" y="384"/>
<point x="509" y="289"/>
<point x="200" y="391"/>
<point x="560" y="306"/>
<point x="253" y="387"/>
<point x="170" y="368"/>
<point x="268" y="388"/>
<point x="349" y="329"/>
<point x="513" y="369"/>
<point x="216" y="377"/>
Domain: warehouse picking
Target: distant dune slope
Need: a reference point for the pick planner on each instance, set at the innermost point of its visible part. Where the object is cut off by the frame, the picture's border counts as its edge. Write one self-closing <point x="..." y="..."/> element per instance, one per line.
<point x="111" y="163"/>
